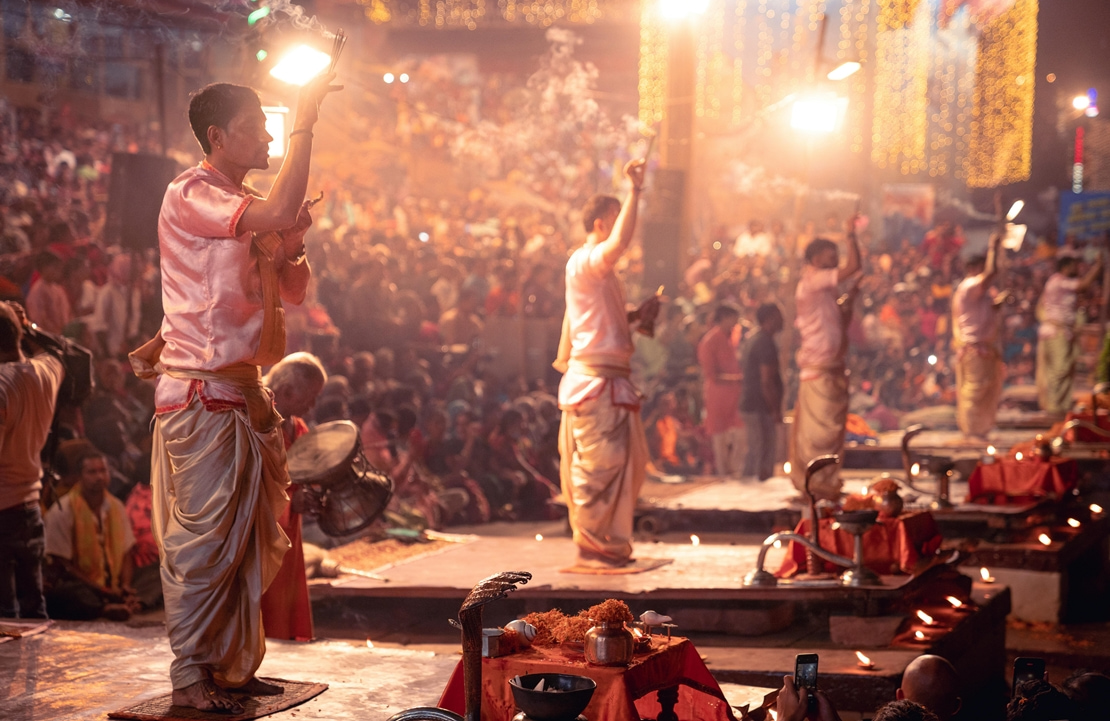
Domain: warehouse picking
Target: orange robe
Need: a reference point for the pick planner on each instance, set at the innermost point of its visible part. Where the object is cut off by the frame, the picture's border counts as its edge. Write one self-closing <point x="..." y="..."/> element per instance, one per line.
<point x="286" y="609"/>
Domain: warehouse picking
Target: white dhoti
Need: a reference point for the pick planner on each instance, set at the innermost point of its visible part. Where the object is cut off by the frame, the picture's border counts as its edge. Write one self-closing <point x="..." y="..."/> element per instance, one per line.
<point x="603" y="458"/>
<point x="979" y="376"/>
<point x="1056" y="357"/>
<point x="219" y="488"/>
<point x="819" y="418"/>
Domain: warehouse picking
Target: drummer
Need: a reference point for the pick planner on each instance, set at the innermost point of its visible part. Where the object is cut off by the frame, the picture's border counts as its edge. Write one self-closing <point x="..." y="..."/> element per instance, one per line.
<point x="296" y="382"/>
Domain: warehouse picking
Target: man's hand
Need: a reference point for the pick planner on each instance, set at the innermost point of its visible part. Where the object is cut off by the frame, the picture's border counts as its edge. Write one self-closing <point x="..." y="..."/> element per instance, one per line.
<point x="306" y="501"/>
<point x="793" y="701"/>
<point x="634" y="170"/>
<point x="825" y="710"/>
<point x="851" y="224"/>
<point x="648" y="310"/>
<point x="293" y="236"/>
<point x="312" y="94"/>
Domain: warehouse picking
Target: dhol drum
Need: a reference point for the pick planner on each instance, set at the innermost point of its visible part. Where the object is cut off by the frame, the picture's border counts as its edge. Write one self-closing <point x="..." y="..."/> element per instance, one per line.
<point x="352" y="492"/>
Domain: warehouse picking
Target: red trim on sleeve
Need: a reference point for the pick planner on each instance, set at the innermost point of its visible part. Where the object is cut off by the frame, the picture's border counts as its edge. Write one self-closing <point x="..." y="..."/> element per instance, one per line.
<point x="239" y="214"/>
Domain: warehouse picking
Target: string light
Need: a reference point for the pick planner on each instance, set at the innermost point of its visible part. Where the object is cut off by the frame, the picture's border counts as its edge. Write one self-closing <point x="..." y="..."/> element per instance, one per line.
<point x="739" y="27"/>
<point x="1002" y="118"/>
<point x="469" y="14"/>
<point x="902" y="61"/>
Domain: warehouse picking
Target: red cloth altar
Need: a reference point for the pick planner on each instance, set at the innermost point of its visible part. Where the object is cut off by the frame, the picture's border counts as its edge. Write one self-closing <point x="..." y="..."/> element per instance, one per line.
<point x="623" y="693"/>
<point x="892" y="545"/>
<point x="1008" y="480"/>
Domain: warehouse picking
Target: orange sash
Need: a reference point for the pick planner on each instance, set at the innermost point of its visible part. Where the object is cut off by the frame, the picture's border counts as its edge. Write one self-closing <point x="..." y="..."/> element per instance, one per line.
<point x="97" y="552"/>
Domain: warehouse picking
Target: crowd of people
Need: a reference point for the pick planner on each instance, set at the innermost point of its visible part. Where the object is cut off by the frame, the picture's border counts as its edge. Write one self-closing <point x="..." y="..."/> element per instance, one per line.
<point x="397" y="311"/>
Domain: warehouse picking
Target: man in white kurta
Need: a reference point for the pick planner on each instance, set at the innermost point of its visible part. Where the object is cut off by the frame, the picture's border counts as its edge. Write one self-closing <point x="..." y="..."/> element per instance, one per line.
<point x="1058" y="313"/>
<point x="218" y="464"/>
<point x="602" y="448"/>
<point x="822" y="407"/>
<point x="975" y="340"/>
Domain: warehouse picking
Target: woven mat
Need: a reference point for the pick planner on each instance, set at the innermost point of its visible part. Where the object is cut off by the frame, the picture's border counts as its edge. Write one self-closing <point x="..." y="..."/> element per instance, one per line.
<point x="160" y="709"/>
<point x="640" y="565"/>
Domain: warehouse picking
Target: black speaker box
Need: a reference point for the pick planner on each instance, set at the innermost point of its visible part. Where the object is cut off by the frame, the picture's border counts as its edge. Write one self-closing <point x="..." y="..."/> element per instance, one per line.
<point x="135" y="191"/>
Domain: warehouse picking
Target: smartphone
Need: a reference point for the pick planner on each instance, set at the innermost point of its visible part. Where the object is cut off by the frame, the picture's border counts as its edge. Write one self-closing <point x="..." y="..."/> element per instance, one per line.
<point x="805" y="674"/>
<point x="1026" y="669"/>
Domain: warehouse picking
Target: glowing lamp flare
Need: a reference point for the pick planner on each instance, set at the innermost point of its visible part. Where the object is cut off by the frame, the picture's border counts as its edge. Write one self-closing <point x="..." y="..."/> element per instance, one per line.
<point x="695" y="541"/>
<point x="1074" y="523"/>
<point x="300" y="65"/>
<point x="926" y="618"/>
<point x="1018" y="456"/>
<point x="539" y="536"/>
<point x="987" y="577"/>
<point x="956" y="603"/>
<point x="915" y="469"/>
<point x="864" y="661"/>
<point x="844" y="70"/>
<point x="1015" y="209"/>
<point x="918" y="636"/>
<point x="681" y="9"/>
<point x="1081" y="102"/>
<point x="991" y="450"/>
<point x="1095" y="508"/>
<point x="1045" y="539"/>
<point x="786" y="469"/>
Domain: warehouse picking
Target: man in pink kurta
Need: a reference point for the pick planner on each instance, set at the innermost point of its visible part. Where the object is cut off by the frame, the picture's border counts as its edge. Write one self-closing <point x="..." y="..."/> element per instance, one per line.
<point x="218" y="464"/>
<point x="822" y="406"/>
<point x="721" y="383"/>
<point x="602" y="448"/>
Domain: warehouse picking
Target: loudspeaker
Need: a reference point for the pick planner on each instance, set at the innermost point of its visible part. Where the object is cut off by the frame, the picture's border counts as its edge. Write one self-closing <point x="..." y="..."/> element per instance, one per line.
<point x="135" y="191"/>
<point x="662" y="255"/>
<point x="662" y="231"/>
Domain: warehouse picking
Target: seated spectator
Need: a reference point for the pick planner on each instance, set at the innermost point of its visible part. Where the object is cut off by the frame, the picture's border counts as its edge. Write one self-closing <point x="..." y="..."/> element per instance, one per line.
<point x="1090" y="692"/>
<point x="90" y="567"/>
<point x="932" y="682"/>
<point x="47" y="302"/>
<point x="793" y="704"/>
<point x="146" y="577"/>
<point x="461" y="325"/>
<point x="904" y="711"/>
<point x="1041" y="701"/>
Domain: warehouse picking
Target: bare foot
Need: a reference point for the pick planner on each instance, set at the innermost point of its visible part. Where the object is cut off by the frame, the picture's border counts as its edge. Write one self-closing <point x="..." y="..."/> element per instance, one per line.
<point x="258" y="687"/>
<point x="205" y="695"/>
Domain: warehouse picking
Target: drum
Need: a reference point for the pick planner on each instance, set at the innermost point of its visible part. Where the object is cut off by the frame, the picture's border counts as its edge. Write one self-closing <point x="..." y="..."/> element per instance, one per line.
<point x="352" y="492"/>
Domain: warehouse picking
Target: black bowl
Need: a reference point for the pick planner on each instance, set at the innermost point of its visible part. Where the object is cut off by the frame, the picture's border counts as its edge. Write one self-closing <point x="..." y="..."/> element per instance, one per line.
<point x="571" y="695"/>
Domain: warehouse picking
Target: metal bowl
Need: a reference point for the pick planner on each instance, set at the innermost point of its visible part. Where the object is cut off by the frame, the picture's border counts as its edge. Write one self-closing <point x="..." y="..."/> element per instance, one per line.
<point x="567" y="696"/>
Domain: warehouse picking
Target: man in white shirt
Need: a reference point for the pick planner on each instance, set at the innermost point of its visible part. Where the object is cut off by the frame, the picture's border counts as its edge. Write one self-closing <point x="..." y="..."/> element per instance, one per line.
<point x="28" y="392"/>
<point x="1056" y="351"/>
<point x="602" y="449"/>
<point x="975" y="339"/>
<point x="88" y="541"/>
<point x="822" y="407"/>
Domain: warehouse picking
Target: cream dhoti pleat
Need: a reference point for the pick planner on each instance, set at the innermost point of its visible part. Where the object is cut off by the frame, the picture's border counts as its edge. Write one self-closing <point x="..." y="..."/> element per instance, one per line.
<point x="819" y="418"/>
<point x="1056" y="358"/>
<point x="219" y="488"/>
<point x="603" y="458"/>
<point x="979" y="375"/>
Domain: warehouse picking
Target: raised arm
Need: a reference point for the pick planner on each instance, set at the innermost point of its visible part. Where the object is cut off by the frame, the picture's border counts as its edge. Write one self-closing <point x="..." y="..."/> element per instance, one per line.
<point x="613" y="247"/>
<point x="853" y="265"/>
<point x="280" y="209"/>
<point x="990" y="269"/>
<point x="1092" y="275"/>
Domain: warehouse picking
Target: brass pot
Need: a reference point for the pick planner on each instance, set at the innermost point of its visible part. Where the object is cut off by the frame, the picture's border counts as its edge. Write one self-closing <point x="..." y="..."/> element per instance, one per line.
<point x="609" y="644"/>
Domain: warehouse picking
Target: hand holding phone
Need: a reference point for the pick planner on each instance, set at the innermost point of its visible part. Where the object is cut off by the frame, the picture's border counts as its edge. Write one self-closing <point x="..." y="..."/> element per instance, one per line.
<point x="1026" y="669"/>
<point x="805" y="675"/>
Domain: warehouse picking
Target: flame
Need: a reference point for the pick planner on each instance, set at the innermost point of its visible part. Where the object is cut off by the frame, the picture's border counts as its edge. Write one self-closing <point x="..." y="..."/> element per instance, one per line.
<point x="1095" y="508"/>
<point x="863" y="660"/>
<point x="915" y="469"/>
<point x="1018" y="456"/>
<point x="300" y="65"/>
<point x="777" y="543"/>
<point x="1074" y="523"/>
<point x="991" y="450"/>
<point x="539" y="536"/>
<point x="926" y="618"/>
<point x="786" y="468"/>
<point x="919" y="636"/>
<point x="956" y="603"/>
<point x="985" y="573"/>
<point x="637" y="633"/>
<point x="694" y="540"/>
<point x="369" y="643"/>
<point x="1045" y="539"/>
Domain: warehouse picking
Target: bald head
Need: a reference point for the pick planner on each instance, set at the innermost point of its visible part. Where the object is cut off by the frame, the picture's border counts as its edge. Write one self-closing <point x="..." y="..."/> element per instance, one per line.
<point x="932" y="682"/>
